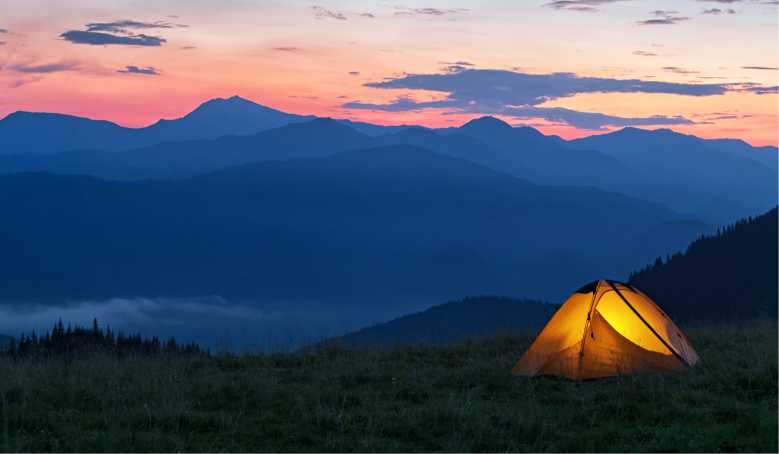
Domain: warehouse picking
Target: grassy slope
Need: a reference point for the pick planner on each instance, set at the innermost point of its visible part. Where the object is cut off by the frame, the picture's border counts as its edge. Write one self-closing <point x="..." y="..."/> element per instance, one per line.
<point x="457" y="398"/>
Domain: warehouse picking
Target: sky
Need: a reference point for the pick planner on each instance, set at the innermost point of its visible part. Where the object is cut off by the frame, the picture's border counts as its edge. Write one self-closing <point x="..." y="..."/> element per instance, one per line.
<point x="567" y="67"/>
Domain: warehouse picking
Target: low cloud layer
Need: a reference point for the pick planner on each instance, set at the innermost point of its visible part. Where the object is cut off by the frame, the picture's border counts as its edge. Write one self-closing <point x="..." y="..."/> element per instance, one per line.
<point x="498" y="88"/>
<point x="592" y="120"/>
<point x="520" y="95"/>
<point x="211" y="321"/>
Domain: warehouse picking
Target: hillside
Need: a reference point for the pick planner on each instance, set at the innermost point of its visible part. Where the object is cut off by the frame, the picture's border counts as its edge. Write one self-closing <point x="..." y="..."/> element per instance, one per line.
<point x="730" y="275"/>
<point x="395" y="223"/>
<point x="459" y="398"/>
<point x="454" y="322"/>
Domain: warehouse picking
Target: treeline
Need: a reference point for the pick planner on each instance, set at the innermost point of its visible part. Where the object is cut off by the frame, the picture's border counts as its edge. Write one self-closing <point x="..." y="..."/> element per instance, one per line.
<point x="731" y="274"/>
<point x="71" y="340"/>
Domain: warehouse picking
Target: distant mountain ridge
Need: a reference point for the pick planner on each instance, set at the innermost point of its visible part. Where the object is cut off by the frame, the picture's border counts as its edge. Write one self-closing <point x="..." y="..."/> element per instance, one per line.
<point x="716" y="181"/>
<point x="693" y="175"/>
<point x="453" y="322"/>
<point x="730" y="185"/>
<point x="215" y="118"/>
<point x="20" y="132"/>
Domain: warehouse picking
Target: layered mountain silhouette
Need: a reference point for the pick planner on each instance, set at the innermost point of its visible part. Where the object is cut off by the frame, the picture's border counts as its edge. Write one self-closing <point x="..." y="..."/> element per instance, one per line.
<point x="361" y="226"/>
<point x="726" y="276"/>
<point x="453" y="322"/>
<point x="720" y="180"/>
<point x="315" y="138"/>
<point x="716" y="181"/>
<point x="256" y="205"/>
<point x="30" y="132"/>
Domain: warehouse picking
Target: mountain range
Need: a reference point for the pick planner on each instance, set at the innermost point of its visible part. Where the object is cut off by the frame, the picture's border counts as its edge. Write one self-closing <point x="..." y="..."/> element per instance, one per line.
<point x="395" y="222"/>
<point x="730" y="275"/>
<point x="251" y="204"/>
<point x="715" y="181"/>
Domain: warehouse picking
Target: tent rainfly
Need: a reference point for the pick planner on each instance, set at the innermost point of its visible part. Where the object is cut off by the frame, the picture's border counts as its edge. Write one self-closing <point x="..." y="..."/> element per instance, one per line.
<point x="607" y="328"/>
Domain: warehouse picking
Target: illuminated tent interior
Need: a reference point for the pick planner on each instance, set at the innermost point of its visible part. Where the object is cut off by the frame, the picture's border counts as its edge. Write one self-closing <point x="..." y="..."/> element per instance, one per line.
<point x="607" y="328"/>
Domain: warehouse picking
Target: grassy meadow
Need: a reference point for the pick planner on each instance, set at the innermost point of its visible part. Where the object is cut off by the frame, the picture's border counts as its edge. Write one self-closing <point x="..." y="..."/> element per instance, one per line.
<point x="454" y="398"/>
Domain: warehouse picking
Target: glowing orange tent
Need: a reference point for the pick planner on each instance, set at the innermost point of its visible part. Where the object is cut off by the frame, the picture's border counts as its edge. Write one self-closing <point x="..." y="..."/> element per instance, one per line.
<point x="607" y="328"/>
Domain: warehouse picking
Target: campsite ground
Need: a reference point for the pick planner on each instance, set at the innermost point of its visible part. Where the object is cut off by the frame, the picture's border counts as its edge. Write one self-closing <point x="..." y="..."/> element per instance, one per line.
<point x="459" y="398"/>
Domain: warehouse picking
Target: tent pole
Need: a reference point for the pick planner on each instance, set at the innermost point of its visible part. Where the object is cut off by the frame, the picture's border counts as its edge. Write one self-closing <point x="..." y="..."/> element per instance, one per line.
<point x="648" y="325"/>
<point x="589" y="316"/>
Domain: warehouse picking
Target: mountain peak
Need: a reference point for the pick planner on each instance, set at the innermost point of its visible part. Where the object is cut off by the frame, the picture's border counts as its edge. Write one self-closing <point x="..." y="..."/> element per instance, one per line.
<point x="235" y="107"/>
<point x="485" y="122"/>
<point x="232" y="101"/>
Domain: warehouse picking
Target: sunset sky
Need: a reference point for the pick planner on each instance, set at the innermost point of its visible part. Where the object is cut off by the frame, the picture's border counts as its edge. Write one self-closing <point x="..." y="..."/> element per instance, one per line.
<point x="705" y="67"/>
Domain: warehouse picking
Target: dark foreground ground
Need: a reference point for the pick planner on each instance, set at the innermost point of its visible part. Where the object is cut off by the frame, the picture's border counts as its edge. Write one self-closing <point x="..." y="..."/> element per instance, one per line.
<point x="460" y="398"/>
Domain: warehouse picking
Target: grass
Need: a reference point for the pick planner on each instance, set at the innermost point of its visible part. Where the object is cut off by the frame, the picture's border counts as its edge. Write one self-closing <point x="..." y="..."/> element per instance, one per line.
<point x="458" y="398"/>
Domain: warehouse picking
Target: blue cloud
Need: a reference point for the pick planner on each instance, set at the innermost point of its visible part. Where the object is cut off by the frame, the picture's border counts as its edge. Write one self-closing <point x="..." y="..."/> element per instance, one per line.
<point x="45" y="68"/>
<point x="118" y="33"/>
<point x="491" y="88"/>
<point x="103" y="39"/>
<point x="519" y="95"/>
<point x="147" y="71"/>
<point x="121" y="26"/>
<point x="592" y="120"/>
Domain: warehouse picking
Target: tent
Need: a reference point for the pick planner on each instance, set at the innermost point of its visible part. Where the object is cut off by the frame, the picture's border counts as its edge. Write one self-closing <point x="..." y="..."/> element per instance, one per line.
<point x="607" y="328"/>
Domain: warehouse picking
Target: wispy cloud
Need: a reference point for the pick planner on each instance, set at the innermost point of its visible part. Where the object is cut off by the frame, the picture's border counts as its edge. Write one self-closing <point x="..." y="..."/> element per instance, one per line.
<point x="678" y="70"/>
<point x="429" y="11"/>
<point x="520" y="95"/>
<point x="718" y="11"/>
<point x="45" y="68"/>
<point x="644" y="53"/>
<point x="104" y="39"/>
<point x="119" y="32"/>
<point x="147" y="71"/>
<point x="287" y="49"/>
<point x="122" y="26"/>
<point x="586" y="6"/>
<point x="664" y="17"/>
<point x="760" y="89"/>
<point x="761" y="68"/>
<point x="593" y="121"/>
<point x="321" y="12"/>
